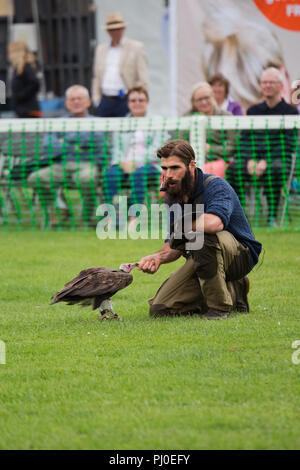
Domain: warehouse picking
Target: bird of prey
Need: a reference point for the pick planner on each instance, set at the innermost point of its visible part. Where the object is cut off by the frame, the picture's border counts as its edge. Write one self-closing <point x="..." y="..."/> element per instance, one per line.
<point x="95" y="287"/>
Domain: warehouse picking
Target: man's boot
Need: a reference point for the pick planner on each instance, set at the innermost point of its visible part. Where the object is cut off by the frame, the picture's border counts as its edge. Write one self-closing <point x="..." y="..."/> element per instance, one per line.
<point x="241" y="288"/>
<point x="214" y="314"/>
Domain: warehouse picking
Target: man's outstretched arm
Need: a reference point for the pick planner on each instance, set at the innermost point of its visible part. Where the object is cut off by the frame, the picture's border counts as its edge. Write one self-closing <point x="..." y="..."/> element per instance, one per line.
<point x="151" y="263"/>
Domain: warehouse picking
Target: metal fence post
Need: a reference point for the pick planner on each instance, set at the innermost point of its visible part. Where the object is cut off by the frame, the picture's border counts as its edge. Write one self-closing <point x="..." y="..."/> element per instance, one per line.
<point x="198" y="138"/>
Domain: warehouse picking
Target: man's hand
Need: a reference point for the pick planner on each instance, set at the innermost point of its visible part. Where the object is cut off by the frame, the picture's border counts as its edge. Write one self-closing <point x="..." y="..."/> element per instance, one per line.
<point x="261" y="167"/>
<point x="256" y="168"/>
<point x="150" y="264"/>
<point x="128" y="167"/>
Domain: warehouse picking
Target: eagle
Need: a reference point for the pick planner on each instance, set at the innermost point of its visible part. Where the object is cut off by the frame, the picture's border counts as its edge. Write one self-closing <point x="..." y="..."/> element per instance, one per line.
<point x="95" y="287"/>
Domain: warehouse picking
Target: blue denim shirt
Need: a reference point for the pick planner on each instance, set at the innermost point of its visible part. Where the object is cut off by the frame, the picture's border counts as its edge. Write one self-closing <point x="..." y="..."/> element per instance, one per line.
<point x="76" y="146"/>
<point x="220" y="199"/>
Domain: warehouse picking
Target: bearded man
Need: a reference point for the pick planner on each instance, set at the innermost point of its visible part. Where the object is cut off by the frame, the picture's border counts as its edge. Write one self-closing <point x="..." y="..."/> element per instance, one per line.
<point x="213" y="281"/>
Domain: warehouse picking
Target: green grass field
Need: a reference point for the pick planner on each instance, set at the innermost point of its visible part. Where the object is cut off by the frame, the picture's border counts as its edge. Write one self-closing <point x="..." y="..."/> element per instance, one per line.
<point x="72" y="382"/>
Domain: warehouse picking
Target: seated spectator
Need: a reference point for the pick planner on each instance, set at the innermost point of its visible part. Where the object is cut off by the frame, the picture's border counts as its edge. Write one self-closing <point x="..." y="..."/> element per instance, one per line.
<point x="77" y="160"/>
<point x="265" y="154"/>
<point x="134" y="159"/>
<point x="220" y="144"/>
<point x="25" y="83"/>
<point x="220" y="86"/>
<point x="286" y="83"/>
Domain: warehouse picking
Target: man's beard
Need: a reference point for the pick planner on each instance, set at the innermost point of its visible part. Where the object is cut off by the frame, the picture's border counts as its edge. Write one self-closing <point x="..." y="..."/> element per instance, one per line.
<point x="181" y="191"/>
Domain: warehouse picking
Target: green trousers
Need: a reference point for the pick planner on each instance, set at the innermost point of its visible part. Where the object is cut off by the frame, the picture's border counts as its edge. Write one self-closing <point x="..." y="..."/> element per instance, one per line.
<point x="206" y="280"/>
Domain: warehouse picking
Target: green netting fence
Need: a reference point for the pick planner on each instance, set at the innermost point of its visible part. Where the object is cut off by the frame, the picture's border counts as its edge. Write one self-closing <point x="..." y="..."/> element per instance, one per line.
<point x="54" y="173"/>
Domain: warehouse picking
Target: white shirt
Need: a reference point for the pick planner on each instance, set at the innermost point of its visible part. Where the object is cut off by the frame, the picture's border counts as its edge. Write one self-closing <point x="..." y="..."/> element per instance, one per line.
<point x="112" y="81"/>
<point x="225" y="104"/>
<point x="137" y="148"/>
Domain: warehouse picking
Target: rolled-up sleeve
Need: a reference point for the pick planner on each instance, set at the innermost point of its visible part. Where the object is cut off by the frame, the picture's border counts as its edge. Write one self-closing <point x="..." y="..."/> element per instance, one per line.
<point x="219" y="201"/>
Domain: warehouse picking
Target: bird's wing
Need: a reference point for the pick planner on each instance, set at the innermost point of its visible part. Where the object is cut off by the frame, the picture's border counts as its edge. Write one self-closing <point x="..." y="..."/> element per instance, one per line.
<point x="93" y="282"/>
<point x="104" y="283"/>
<point x="71" y="287"/>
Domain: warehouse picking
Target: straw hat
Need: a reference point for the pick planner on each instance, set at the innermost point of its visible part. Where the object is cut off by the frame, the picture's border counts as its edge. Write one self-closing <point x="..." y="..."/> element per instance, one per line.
<point x="114" y="21"/>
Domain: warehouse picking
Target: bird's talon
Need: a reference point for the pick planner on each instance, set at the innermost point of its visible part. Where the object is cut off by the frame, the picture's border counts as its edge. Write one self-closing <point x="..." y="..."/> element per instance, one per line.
<point x="109" y="316"/>
<point x="104" y="316"/>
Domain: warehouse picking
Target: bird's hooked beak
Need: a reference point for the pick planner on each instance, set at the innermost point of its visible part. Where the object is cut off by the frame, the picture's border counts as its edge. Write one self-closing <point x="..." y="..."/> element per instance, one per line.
<point x="127" y="267"/>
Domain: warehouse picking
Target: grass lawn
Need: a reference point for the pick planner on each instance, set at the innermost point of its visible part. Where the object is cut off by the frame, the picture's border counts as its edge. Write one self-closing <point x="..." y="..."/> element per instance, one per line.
<point x="72" y="382"/>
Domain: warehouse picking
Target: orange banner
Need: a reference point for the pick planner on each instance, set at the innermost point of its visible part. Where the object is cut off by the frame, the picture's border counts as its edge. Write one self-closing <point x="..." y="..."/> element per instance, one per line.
<point x="237" y="39"/>
<point x="283" y="13"/>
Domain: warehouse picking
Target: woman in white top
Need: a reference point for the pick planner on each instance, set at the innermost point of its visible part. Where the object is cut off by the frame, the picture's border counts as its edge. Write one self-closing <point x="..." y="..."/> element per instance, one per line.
<point x="134" y="159"/>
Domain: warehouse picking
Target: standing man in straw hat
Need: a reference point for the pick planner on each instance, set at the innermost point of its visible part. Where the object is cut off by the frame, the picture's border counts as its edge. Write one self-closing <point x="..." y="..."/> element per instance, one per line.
<point x="118" y="66"/>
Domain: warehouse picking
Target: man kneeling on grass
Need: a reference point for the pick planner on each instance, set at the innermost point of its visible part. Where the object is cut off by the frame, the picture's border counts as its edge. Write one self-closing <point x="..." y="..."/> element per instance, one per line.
<point x="213" y="281"/>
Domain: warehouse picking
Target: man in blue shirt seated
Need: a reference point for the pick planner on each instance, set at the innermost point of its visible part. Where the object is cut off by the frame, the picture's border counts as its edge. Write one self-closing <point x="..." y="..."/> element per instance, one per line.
<point x="213" y="281"/>
<point x="75" y="160"/>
